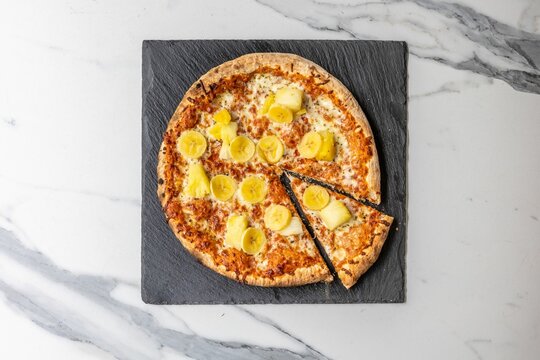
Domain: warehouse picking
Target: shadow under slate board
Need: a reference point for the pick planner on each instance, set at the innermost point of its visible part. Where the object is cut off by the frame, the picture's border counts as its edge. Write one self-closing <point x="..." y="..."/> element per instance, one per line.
<point x="374" y="71"/>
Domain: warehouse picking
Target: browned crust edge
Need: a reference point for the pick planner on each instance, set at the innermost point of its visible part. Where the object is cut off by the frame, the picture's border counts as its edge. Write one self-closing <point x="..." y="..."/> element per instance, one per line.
<point x="301" y="276"/>
<point x="371" y="254"/>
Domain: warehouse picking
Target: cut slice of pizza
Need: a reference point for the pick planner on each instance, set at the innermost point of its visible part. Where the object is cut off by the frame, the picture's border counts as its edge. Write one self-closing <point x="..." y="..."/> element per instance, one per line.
<point x="351" y="233"/>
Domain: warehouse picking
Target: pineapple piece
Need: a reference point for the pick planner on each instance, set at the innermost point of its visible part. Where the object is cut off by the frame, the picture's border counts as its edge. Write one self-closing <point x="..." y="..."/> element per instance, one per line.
<point x="228" y="132"/>
<point x="214" y="131"/>
<point x="270" y="99"/>
<point x="224" y="153"/>
<point x="198" y="184"/>
<point x="223" y="116"/>
<point x="236" y="225"/>
<point x="294" y="227"/>
<point x="327" y="150"/>
<point x="290" y="97"/>
<point x="335" y="214"/>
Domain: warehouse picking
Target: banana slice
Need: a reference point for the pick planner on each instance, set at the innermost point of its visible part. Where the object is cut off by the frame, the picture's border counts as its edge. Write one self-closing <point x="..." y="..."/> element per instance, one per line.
<point x="280" y="114"/>
<point x="222" y="187"/>
<point x="310" y="145"/>
<point x="198" y="185"/>
<point x="294" y="227"/>
<point x="242" y="149"/>
<point x="290" y="97"/>
<point x="315" y="197"/>
<point x="191" y="144"/>
<point x="253" y="189"/>
<point x="277" y="217"/>
<point x="222" y="116"/>
<point x="253" y="240"/>
<point x="335" y="214"/>
<point x="228" y="132"/>
<point x="270" y="99"/>
<point x="214" y="131"/>
<point x="327" y="152"/>
<point x="236" y="225"/>
<point x="270" y="149"/>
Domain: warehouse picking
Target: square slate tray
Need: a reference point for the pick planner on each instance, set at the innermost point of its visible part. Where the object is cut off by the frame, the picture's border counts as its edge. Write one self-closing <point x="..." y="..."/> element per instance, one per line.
<point x="374" y="71"/>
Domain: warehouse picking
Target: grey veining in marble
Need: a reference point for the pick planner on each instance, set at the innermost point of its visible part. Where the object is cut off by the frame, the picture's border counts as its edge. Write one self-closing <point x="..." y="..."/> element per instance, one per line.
<point x="452" y="34"/>
<point x="68" y="323"/>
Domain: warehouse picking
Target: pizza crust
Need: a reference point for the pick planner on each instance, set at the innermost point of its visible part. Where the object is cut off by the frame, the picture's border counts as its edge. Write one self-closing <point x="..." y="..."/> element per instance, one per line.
<point x="301" y="276"/>
<point x="364" y="261"/>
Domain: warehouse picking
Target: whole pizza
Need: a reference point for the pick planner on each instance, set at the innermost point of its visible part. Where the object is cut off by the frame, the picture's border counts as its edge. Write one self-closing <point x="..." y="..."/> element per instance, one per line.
<point x="237" y="133"/>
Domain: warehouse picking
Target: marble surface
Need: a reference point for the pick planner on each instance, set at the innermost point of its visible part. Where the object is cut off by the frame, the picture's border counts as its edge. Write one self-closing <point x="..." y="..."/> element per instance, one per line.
<point x="70" y="101"/>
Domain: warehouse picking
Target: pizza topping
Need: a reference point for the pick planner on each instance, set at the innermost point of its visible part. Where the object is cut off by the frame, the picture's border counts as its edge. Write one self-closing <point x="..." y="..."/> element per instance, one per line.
<point x="270" y="99"/>
<point x="270" y="149"/>
<point x="222" y="116"/>
<point x="242" y="149"/>
<point x="253" y="189"/>
<point x="228" y="132"/>
<point x="290" y="97"/>
<point x="310" y="145"/>
<point x="315" y="197"/>
<point x="191" y="144"/>
<point x="301" y="112"/>
<point x="335" y="214"/>
<point x="280" y="114"/>
<point x="214" y="131"/>
<point x="222" y="187"/>
<point x="294" y="227"/>
<point x="236" y="225"/>
<point x="198" y="185"/>
<point x="277" y="217"/>
<point x="253" y="240"/>
<point x="327" y="151"/>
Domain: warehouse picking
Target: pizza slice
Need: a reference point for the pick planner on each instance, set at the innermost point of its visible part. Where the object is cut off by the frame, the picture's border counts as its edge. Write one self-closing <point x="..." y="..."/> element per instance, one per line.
<point x="238" y="220"/>
<point x="351" y="233"/>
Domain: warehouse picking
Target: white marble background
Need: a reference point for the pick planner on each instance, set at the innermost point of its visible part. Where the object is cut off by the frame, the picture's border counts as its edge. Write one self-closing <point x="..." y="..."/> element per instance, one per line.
<point x="70" y="103"/>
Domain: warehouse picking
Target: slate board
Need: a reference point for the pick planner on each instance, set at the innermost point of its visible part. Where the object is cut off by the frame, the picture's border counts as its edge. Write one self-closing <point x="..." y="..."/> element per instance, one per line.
<point x="374" y="71"/>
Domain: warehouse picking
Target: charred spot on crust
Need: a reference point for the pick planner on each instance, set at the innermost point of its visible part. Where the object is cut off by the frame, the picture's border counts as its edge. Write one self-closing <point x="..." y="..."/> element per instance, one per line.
<point x="323" y="82"/>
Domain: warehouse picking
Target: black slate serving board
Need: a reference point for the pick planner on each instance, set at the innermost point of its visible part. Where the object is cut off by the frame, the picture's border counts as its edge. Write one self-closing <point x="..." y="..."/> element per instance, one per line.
<point x="374" y="71"/>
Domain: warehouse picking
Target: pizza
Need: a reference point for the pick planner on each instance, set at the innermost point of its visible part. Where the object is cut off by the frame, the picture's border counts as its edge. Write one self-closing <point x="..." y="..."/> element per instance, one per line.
<point x="351" y="233"/>
<point x="234" y="133"/>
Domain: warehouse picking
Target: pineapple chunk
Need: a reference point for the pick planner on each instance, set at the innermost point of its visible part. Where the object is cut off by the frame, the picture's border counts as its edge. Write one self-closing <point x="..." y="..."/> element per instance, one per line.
<point x="198" y="185"/>
<point x="327" y="151"/>
<point x="214" y="131"/>
<point x="236" y="224"/>
<point x="224" y="153"/>
<point x="223" y="116"/>
<point x="335" y="214"/>
<point x="290" y="97"/>
<point x="294" y="227"/>
<point x="228" y="132"/>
